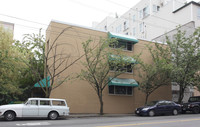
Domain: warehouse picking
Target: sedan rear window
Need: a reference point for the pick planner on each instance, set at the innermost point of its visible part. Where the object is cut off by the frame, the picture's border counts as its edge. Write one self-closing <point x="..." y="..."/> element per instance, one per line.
<point x="152" y="103"/>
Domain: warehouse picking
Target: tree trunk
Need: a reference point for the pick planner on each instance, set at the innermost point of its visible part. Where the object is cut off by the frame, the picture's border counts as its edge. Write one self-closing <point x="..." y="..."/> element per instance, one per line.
<point x="101" y="104"/>
<point x="146" y="99"/>
<point x="47" y="93"/>
<point x="181" y="94"/>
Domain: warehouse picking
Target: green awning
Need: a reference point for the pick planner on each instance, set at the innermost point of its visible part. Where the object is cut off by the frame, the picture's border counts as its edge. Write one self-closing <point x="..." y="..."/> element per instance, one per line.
<point x="43" y="82"/>
<point x="127" y="59"/>
<point x="122" y="37"/>
<point x="122" y="82"/>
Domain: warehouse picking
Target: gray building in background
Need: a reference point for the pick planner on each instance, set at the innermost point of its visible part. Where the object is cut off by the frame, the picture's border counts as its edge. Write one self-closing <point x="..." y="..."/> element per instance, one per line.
<point x="152" y="18"/>
<point x="7" y="26"/>
<point x="188" y="28"/>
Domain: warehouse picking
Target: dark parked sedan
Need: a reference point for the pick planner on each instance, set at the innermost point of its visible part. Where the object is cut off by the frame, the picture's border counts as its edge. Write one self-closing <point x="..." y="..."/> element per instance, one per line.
<point x="158" y="108"/>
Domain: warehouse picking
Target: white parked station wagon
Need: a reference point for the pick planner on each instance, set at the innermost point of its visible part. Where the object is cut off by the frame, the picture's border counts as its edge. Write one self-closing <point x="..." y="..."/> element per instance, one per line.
<point x="36" y="107"/>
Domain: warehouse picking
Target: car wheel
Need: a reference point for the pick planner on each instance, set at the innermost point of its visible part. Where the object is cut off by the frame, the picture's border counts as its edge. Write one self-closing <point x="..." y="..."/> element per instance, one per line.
<point x="9" y="116"/>
<point x="195" y="110"/>
<point x="175" y="112"/>
<point x="151" y="113"/>
<point x="53" y="115"/>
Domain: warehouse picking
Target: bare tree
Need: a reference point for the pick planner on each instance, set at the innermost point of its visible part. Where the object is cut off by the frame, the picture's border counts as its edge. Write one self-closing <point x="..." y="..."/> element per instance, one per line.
<point x="155" y="74"/>
<point x="98" y="63"/>
<point x="55" y="62"/>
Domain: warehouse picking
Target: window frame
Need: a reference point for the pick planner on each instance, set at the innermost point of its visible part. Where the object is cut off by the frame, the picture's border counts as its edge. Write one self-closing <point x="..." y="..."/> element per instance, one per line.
<point x="141" y="27"/>
<point x="125" y="68"/>
<point x="145" y="11"/>
<point x="134" y="18"/>
<point x="156" y="8"/>
<point x="125" y="25"/>
<point x="126" y="44"/>
<point x="119" y="29"/>
<point x="126" y="87"/>
<point x="198" y="13"/>
<point x="134" y="31"/>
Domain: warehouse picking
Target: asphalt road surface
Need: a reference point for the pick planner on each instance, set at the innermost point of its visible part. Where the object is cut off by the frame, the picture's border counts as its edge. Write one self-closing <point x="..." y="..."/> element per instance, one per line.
<point x="186" y="120"/>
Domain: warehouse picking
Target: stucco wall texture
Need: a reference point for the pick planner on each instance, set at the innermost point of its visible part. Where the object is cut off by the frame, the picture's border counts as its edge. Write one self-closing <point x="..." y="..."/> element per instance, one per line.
<point x="80" y="96"/>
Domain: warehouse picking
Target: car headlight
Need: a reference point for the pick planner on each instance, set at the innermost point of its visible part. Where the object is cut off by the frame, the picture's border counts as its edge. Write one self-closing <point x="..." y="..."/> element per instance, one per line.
<point x="145" y="109"/>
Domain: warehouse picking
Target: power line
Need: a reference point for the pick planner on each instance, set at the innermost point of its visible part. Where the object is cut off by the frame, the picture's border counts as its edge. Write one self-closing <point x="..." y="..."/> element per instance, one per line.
<point x="22" y="19"/>
<point x="158" y="26"/>
<point x="94" y="8"/>
<point x="120" y="17"/>
<point x="35" y="23"/>
<point x="67" y="34"/>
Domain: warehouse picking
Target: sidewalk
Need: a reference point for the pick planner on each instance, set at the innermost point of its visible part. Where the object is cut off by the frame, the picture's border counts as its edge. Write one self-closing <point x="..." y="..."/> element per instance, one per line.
<point x="97" y="115"/>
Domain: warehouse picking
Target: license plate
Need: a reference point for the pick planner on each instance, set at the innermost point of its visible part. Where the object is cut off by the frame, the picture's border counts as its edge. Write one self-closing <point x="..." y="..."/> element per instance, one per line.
<point x="184" y="108"/>
<point x="137" y="111"/>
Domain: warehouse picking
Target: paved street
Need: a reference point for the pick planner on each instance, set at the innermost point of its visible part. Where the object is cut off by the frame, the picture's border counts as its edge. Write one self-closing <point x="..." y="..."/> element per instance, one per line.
<point x="187" y="120"/>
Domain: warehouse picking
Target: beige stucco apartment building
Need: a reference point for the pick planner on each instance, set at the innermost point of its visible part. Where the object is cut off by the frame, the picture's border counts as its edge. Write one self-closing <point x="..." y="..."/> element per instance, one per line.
<point x="79" y="95"/>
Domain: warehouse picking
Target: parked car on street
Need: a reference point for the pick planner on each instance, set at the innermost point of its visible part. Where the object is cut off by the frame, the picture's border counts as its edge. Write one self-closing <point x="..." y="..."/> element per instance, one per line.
<point x="35" y="107"/>
<point x="158" y="108"/>
<point x="193" y="105"/>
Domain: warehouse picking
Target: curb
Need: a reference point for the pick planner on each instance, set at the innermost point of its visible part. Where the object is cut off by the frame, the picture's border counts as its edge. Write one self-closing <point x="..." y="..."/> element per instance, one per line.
<point x="97" y="115"/>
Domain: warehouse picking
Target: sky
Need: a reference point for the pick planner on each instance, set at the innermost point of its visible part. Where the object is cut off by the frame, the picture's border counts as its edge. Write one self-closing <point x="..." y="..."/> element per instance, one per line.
<point x="31" y="15"/>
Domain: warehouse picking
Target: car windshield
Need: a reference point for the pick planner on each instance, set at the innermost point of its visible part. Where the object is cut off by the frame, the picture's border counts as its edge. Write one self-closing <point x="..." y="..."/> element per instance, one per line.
<point x="151" y="103"/>
<point x="25" y="102"/>
<point x="194" y="99"/>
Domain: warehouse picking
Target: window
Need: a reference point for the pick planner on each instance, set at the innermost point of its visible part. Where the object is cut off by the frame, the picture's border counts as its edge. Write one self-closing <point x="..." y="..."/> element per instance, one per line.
<point x="144" y="12"/>
<point x="44" y="102"/>
<point x="161" y="103"/>
<point x="141" y="27"/>
<point x="133" y="18"/>
<point x="33" y="102"/>
<point x="169" y="103"/>
<point x="58" y="103"/>
<point x="156" y="8"/>
<point x="125" y="25"/>
<point x="120" y="90"/>
<point x="119" y="29"/>
<point x="134" y="31"/>
<point x="47" y="45"/>
<point x="124" y="45"/>
<point x="105" y="27"/>
<point x="198" y="13"/>
<point x="140" y="13"/>
<point x="127" y="68"/>
<point x="129" y="46"/>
